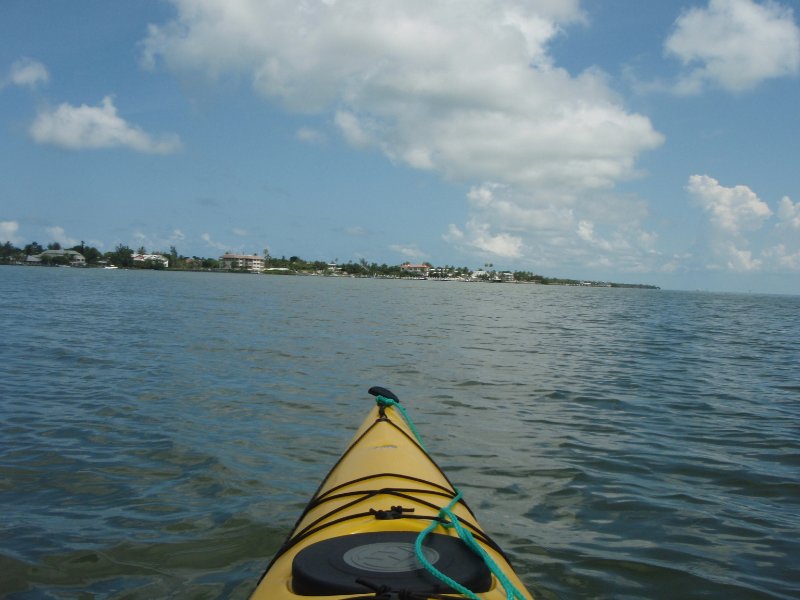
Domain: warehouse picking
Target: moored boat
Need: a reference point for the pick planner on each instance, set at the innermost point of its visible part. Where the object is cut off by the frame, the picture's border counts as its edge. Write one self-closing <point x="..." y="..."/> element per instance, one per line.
<point x="387" y="524"/>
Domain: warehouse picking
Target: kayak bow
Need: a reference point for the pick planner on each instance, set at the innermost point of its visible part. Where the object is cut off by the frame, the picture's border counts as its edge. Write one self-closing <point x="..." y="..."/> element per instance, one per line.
<point x="387" y="524"/>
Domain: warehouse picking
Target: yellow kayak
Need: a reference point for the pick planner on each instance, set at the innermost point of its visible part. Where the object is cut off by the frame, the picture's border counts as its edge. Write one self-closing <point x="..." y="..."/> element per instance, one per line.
<point x="387" y="524"/>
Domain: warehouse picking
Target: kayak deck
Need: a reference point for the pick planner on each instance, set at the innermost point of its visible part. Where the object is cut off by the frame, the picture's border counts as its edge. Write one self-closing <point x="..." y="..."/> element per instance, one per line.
<point x="387" y="523"/>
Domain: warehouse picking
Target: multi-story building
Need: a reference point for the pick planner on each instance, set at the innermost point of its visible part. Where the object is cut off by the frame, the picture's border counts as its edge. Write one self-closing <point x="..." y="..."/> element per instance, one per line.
<point x="248" y="262"/>
<point x="418" y="270"/>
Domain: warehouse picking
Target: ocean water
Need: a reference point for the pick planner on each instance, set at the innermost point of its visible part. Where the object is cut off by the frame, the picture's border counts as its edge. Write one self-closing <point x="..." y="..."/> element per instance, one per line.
<point x="160" y="432"/>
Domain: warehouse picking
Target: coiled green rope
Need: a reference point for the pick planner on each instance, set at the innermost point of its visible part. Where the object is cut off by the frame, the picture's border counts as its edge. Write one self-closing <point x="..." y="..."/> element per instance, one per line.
<point x="448" y="519"/>
<point x="452" y="522"/>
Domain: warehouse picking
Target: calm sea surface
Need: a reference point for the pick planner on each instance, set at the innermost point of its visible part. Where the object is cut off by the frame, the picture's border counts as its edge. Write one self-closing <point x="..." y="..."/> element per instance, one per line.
<point x="160" y="432"/>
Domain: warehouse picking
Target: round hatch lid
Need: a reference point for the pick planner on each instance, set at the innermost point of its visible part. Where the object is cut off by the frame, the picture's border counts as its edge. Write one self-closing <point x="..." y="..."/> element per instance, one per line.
<point x="388" y="559"/>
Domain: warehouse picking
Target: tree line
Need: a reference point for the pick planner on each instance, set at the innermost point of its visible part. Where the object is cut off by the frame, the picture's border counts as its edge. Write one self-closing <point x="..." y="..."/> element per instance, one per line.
<point x="122" y="256"/>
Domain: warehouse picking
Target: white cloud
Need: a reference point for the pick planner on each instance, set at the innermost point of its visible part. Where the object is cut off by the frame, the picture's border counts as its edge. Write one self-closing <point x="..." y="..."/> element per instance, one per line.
<point x="783" y="254"/>
<point x="559" y="229"/>
<point x="479" y="238"/>
<point x="503" y="245"/>
<point x="467" y="90"/>
<point x="732" y="210"/>
<point x="354" y="131"/>
<point x="8" y="232"/>
<point x="454" y="235"/>
<point x="57" y="234"/>
<point x="239" y="231"/>
<point x="408" y="251"/>
<point x="586" y="231"/>
<point x="789" y="213"/>
<point x="27" y="72"/>
<point x="738" y="236"/>
<point x="736" y="44"/>
<point x="783" y="257"/>
<point x="81" y="127"/>
<point x="206" y="237"/>
<point x="739" y="259"/>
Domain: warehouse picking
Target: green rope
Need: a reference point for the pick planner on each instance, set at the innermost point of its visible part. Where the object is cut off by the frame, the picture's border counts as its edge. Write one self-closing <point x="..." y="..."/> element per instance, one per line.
<point x="384" y="401"/>
<point x="449" y="520"/>
<point x="512" y="593"/>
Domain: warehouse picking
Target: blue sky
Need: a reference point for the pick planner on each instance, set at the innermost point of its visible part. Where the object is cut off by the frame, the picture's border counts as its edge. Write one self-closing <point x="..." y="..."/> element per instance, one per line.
<point x="614" y="140"/>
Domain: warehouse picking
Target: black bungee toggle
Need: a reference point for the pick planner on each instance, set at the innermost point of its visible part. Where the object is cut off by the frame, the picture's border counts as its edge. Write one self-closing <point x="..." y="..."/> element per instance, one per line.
<point x="394" y="512"/>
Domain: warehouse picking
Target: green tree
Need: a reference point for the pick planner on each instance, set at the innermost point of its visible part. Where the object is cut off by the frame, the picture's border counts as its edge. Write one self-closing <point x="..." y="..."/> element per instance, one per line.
<point x="33" y="248"/>
<point x="122" y="256"/>
<point x="8" y="251"/>
<point x="90" y="253"/>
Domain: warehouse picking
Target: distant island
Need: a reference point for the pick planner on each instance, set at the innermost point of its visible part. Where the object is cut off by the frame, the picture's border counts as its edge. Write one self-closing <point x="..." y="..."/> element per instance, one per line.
<point x="123" y="256"/>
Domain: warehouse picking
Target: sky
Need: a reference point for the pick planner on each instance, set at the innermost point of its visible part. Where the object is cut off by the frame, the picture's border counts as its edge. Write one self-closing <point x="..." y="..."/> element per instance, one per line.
<point x="611" y="140"/>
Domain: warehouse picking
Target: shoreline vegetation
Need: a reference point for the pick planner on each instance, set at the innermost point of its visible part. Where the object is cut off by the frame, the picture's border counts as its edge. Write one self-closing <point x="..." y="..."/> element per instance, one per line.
<point x="124" y="257"/>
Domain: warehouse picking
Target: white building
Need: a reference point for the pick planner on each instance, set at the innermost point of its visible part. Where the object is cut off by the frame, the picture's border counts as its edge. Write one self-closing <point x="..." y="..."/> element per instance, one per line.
<point x="154" y="257"/>
<point x="248" y="262"/>
<point x="419" y="270"/>
<point x="75" y="259"/>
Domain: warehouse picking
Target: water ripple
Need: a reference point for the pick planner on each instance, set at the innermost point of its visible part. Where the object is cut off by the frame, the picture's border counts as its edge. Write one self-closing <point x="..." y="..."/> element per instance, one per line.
<point x="161" y="431"/>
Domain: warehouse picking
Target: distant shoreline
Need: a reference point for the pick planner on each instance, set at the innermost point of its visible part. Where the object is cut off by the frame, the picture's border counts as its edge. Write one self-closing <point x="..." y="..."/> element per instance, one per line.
<point x="289" y="273"/>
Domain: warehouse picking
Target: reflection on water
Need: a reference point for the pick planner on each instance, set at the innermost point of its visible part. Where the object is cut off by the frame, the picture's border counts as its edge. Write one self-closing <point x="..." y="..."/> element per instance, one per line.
<point x="162" y="431"/>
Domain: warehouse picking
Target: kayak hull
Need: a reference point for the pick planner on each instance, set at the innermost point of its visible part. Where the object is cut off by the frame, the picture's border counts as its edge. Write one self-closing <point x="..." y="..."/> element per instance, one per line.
<point x="358" y="533"/>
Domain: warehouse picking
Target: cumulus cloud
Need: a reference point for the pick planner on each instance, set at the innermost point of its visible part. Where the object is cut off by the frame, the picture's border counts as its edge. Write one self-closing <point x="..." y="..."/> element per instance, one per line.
<point x="544" y="231"/>
<point x="784" y="257"/>
<point x="504" y="245"/>
<point x="57" y="234"/>
<point x="736" y="44"/>
<point x="739" y="236"/>
<point x="467" y="90"/>
<point x="732" y="210"/>
<point x="8" y="232"/>
<point x="27" y="72"/>
<point x="82" y="127"/>
<point x="740" y="259"/>
<point x="789" y="213"/>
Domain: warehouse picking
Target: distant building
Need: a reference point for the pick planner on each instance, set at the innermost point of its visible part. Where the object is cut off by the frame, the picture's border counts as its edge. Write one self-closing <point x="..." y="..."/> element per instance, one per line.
<point x="75" y="258"/>
<point x="153" y="257"/>
<point x="247" y="262"/>
<point x="507" y="276"/>
<point x="421" y="270"/>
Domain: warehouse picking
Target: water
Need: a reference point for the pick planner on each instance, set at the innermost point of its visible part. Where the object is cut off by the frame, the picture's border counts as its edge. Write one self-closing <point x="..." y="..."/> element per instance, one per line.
<point x="160" y="432"/>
